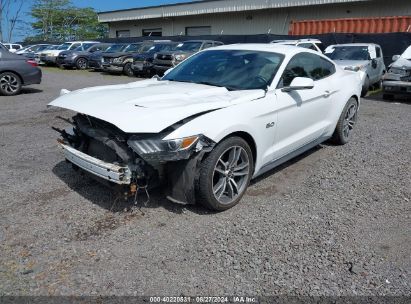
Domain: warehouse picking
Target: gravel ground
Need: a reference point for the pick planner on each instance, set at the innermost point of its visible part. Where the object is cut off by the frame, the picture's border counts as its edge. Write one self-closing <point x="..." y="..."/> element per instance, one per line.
<point x="335" y="221"/>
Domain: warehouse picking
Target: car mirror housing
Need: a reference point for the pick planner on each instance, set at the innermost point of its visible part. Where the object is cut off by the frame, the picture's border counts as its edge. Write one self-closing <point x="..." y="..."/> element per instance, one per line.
<point x="396" y="57"/>
<point x="299" y="83"/>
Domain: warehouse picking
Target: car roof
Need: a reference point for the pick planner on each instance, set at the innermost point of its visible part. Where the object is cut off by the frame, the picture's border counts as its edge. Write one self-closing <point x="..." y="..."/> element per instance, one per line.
<point x="199" y="41"/>
<point x="266" y="47"/>
<point x="297" y="41"/>
<point x="354" y="44"/>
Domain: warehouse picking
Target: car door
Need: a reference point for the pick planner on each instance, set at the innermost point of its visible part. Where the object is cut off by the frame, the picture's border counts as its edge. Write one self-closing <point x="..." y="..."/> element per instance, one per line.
<point x="380" y="62"/>
<point x="303" y="114"/>
<point x="373" y="70"/>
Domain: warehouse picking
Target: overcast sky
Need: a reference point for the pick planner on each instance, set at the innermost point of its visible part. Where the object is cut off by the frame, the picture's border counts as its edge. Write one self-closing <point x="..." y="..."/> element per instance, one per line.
<point x="98" y="5"/>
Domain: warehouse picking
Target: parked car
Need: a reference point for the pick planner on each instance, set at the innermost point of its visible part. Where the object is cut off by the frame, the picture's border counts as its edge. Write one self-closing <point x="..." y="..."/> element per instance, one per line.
<point x="16" y="71"/>
<point x="96" y="59"/>
<point x="143" y="62"/>
<point x="167" y="60"/>
<point x="365" y="58"/>
<point x="79" y="58"/>
<point x="39" y="54"/>
<point x="32" y="49"/>
<point x="50" y="57"/>
<point x="398" y="79"/>
<point x="12" y="47"/>
<point x="115" y="63"/>
<point x="214" y="122"/>
<point x="312" y="44"/>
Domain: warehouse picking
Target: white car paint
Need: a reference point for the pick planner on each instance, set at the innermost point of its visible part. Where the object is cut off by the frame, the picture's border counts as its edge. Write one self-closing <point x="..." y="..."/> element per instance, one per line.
<point x="278" y="122"/>
<point x="71" y="46"/>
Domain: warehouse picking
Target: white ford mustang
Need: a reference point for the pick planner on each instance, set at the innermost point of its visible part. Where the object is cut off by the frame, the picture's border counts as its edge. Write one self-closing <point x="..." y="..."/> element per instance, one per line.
<point x="211" y="124"/>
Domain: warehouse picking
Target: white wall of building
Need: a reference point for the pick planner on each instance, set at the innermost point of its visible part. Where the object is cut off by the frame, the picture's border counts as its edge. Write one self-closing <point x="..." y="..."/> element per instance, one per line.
<point x="276" y="21"/>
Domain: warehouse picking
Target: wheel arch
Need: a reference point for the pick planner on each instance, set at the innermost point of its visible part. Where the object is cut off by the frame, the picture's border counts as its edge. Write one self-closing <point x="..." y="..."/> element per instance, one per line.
<point x="248" y="138"/>
<point x="15" y="73"/>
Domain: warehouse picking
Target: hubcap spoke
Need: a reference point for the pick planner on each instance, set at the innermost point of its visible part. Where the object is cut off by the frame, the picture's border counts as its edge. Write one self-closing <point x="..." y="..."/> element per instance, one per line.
<point x="231" y="174"/>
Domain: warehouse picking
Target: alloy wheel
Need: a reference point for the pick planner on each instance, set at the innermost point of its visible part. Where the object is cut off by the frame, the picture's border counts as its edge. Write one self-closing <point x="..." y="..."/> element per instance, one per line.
<point x="350" y="120"/>
<point x="82" y="64"/>
<point x="231" y="174"/>
<point x="9" y="84"/>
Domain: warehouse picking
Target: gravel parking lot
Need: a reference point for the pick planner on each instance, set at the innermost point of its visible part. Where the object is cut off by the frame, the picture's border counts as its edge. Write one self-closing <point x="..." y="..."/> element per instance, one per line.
<point x="336" y="221"/>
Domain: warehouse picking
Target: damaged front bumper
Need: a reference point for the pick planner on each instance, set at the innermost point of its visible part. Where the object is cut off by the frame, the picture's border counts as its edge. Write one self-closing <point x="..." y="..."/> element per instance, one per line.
<point x="117" y="174"/>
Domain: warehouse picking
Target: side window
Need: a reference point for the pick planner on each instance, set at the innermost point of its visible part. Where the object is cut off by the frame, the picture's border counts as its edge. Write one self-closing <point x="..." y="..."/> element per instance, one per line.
<point x="207" y="45"/>
<point x="306" y="65"/>
<point x="74" y="46"/>
<point x="308" y="46"/>
<point x="378" y="52"/>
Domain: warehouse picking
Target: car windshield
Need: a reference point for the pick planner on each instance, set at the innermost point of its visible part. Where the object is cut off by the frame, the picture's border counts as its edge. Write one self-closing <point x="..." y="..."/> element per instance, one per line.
<point x="189" y="46"/>
<point x="349" y="53"/>
<point x="161" y="47"/>
<point x="87" y="46"/>
<point x="132" y="48"/>
<point x="407" y="53"/>
<point x="64" y="46"/>
<point x="232" y="69"/>
<point x="116" y="48"/>
<point x="42" y="48"/>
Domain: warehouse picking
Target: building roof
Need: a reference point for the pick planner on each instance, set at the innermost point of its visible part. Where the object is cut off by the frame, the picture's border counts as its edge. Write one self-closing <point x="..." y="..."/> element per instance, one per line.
<point x="206" y="7"/>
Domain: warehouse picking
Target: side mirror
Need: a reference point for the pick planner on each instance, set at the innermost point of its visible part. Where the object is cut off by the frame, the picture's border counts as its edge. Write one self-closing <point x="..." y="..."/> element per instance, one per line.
<point x="396" y="57"/>
<point x="374" y="63"/>
<point x="299" y="83"/>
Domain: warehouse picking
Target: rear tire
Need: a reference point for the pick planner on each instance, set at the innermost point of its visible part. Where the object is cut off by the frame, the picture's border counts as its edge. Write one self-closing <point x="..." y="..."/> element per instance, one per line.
<point x="225" y="174"/>
<point x="10" y="84"/>
<point x="346" y="123"/>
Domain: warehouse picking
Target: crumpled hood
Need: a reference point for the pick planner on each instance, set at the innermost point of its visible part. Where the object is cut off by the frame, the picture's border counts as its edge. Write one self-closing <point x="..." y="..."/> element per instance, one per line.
<point x="402" y="63"/>
<point x="347" y="63"/>
<point x="151" y="106"/>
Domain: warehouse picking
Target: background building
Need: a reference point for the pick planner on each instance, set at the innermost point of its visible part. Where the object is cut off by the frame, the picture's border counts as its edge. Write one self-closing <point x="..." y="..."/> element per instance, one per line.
<point x="247" y="17"/>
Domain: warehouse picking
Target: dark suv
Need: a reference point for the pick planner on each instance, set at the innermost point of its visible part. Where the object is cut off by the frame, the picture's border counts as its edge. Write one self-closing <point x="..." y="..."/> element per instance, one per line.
<point x="167" y="60"/>
<point x="143" y="62"/>
<point x="96" y="59"/>
<point x="16" y="71"/>
<point x="80" y="56"/>
<point x="120" y="62"/>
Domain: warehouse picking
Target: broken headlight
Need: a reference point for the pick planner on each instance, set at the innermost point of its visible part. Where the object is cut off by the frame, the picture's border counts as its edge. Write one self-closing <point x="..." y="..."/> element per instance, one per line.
<point x="157" y="149"/>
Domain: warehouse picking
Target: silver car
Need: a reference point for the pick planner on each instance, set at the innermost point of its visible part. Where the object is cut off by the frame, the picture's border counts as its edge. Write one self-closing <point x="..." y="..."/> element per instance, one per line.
<point x="398" y="79"/>
<point x="365" y="58"/>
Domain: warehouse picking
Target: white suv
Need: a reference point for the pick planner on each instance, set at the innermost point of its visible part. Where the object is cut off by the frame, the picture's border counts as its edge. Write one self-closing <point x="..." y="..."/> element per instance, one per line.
<point x="50" y="56"/>
<point x="312" y="44"/>
<point x="12" y="47"/>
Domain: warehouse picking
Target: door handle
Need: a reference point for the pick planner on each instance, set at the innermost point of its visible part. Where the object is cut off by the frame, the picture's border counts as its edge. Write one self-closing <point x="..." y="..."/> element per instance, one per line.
<point x="327" y="94"/>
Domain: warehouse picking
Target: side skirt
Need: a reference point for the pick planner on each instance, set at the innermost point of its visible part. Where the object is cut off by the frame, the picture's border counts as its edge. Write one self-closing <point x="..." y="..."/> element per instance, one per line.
<point x="291" y="155"/>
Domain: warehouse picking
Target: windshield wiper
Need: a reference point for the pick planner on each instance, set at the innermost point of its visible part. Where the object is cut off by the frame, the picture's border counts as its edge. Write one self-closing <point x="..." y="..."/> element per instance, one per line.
<point x="218" y="85"/>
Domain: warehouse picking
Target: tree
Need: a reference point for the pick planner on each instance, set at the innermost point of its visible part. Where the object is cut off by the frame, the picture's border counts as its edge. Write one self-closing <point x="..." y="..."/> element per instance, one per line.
<point x="10" y="11"/>
<point x="59" y="20"/>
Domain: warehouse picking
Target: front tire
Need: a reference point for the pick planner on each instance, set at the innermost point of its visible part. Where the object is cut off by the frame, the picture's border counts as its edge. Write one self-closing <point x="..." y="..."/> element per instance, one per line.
<point x="225" y="174"/>
<point x="365" y="87"/>
<point x="128" y="70"/>
<point x="346" y="123"/>
<point x="81" y="64"/>
<point x="10" y="84"/>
